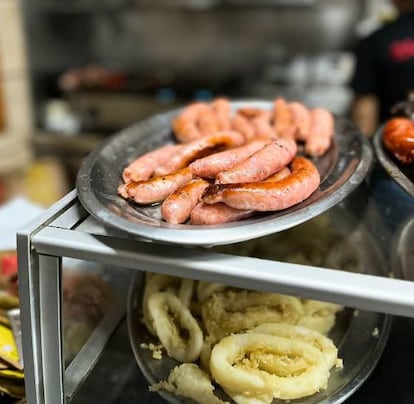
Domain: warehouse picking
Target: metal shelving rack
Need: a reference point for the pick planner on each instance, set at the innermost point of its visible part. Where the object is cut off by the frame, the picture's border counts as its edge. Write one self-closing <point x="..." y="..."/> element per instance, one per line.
<point x="67" y="230"/>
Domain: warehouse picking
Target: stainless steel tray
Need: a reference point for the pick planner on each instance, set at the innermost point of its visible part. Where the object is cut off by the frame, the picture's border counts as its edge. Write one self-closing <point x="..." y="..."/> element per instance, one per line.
<point x="342" y="169"/>
<point x="355" y="331"/>
<point x="403" y="175"/>
<point x="355" y="335"/>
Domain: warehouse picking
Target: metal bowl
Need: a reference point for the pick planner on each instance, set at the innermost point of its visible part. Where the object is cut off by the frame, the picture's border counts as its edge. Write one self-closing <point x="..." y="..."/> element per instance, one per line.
<point x="359" y="335"/>
<point x="342" y="169"/>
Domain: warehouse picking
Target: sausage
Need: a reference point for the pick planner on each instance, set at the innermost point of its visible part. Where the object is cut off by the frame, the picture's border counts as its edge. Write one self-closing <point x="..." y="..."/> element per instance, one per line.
<point x="283" y="118"/>
<point x="199" y="148"/>
<point x="279" y="175"/>
<point x="301" y="120"/>
<point x="155" y="189"/>
<point x="268" y="196"/>
<point x="320" y="133"/>
<point x="261" y="164"/>
<point x="143" y="167"/>
<point x="207" y="122"/>
<point x="262" y="125"/>
<point x="398" y="139"/>
<point x="210" y="166"/>
<point x="243" y="125"/>
<point x="217" y="213"/>
<point x="222" y="109"/>
<point x="185" y="125"/>
<point x="250" y="112"/>
<point x="177" y="207"/>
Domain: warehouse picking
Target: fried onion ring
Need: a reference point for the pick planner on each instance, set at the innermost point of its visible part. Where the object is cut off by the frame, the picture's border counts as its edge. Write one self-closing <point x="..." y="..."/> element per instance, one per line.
<point x="190" y="381"/>
<point x="205" y="354"/>
<point x="312" y="337"/>
<point x="234" y="367"/>
<point x="165" y="283"/>
<point x="234" y="311"/>
<point x="206" y="289"/>
<point x="319" y="316"/>
<point x="240" y="398"/>
<point x="186" y="291"/>
<point x="176" y="327"/>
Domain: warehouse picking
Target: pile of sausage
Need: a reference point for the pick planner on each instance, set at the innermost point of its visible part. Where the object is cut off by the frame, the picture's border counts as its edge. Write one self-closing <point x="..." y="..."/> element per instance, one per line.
<point x="228" y="165"/>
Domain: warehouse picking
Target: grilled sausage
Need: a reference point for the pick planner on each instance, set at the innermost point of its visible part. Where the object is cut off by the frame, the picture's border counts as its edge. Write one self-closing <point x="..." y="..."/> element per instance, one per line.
<point x="261" y="164"/>
<point x="177" y="207"/>
<point x="217" y="213"/>
<point x="398" y="138"/>
<point x="320" y="133"/>
<point x="185" y="125"/>
<point x="199" y="148"/>
<point x="207" y="122"/>
<point x="243" y="125"/>
<point x="283" y="118"/>
<point x="143" y="167"/>
<point x="210" y="166"/>
<point x="155" y="189"/>
<point x="222" y="109"/>
<point x="268" y="196"/>
<point x="279" y="175"/>
<point x="262" y="125"/>
<point x="301" y="120"/>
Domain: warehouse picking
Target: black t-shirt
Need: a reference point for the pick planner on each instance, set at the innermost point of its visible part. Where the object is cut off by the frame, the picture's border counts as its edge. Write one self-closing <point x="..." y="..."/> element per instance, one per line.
<point x="385" y="64"/>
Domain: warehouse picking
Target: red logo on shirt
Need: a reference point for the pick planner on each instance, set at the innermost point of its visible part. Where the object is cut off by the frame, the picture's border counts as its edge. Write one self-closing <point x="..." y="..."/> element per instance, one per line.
<point x="402" y="50"/>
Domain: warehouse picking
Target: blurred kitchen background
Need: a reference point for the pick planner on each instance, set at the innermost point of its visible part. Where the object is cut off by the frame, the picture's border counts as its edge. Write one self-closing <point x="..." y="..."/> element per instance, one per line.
<point x="73" y="72"/>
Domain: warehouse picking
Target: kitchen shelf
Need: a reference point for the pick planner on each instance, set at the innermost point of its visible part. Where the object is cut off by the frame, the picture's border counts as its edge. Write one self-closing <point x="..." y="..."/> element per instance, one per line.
<point x="67" y="230"/>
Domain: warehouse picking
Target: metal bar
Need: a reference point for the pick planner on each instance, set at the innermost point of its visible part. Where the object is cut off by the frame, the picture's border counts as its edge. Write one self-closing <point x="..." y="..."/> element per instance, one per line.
<point x="50" y="286"/>
<point x="70" y="217"/>
<point x="356" y="290"/>
<point x="29" y="318"/>
<point x="30" y="300"/>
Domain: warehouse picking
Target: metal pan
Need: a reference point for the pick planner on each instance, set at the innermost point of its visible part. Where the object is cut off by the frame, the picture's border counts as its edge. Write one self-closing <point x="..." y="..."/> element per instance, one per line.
<point x="359" y="335"/>
<point x="342" y="169"/>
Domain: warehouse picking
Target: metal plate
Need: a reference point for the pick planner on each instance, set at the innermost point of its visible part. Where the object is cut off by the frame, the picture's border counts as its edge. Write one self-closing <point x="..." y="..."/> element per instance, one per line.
<point x="342" y="169"/>
<point x="355" y="332"/>
<point x="403" y="175"/>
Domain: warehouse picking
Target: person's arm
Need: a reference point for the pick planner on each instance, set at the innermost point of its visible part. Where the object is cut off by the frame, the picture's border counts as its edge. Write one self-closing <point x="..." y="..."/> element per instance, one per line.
<point x="365" y="114"/>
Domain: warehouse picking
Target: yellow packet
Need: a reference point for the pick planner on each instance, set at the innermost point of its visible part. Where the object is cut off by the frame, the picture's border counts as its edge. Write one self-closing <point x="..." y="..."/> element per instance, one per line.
<point x="8" y="348"/>
<point x="12" y="388"/>
<point x="8" y="301"/>
<point x="4" y="320"/>
<point x="12" y="374"/>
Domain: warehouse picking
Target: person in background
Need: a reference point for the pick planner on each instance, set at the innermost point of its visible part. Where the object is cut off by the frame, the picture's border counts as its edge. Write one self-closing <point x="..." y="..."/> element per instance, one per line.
<point x="384" y="72"/>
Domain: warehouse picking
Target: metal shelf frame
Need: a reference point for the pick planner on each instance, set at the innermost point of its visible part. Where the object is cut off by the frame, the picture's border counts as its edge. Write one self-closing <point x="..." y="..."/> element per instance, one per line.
<point x="67" y="230"/>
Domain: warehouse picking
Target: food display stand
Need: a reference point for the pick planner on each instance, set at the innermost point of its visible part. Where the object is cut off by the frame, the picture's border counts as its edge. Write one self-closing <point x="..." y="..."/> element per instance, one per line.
<point x="378" y="205"/>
